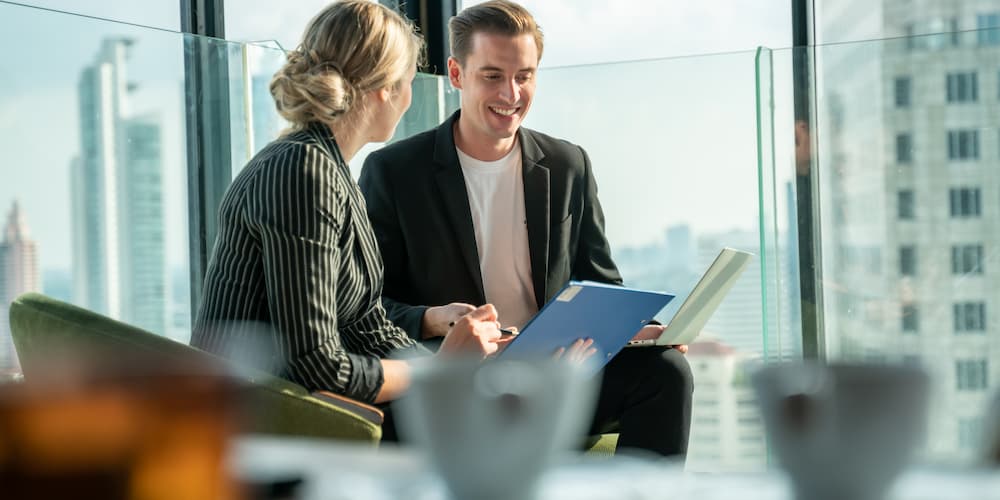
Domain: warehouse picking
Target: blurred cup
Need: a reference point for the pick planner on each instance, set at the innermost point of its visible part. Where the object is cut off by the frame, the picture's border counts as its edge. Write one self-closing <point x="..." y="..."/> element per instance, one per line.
<point x="120" y="427"/>
<point x="492" y="429"/>
<point x="842" y="431"/>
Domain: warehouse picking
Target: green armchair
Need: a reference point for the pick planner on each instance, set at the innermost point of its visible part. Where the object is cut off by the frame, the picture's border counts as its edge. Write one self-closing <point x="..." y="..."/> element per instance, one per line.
<point x="41" y="325"/>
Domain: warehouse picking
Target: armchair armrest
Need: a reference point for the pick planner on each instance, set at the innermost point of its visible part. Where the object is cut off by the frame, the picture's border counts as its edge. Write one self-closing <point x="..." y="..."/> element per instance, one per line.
<point x="366" y="411"/>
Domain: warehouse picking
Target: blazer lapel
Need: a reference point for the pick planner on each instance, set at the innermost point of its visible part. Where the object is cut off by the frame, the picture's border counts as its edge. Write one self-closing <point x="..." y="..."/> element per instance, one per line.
<point x="536" y="209"/>
<point x="451" y="183"/>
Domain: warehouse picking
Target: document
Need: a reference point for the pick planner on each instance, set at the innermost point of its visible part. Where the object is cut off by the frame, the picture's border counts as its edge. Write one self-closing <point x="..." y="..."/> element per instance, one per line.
<point x="609" y="314"/>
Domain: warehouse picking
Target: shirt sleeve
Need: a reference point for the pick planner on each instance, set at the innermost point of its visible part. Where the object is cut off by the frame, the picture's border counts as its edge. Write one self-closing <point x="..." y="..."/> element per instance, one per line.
<point x="298" y="211"/>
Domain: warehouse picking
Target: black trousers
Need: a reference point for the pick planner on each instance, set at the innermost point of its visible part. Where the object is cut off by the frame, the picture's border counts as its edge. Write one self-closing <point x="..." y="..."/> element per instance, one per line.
<point x="645" y="397"/>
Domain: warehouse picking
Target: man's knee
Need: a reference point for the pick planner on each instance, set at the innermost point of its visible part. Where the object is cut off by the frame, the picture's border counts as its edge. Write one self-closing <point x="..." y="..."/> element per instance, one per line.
<point x="671" y="368"/>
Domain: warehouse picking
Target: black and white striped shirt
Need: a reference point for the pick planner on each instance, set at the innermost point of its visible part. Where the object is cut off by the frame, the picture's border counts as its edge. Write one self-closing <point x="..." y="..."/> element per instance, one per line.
<point x="296" y="254"/>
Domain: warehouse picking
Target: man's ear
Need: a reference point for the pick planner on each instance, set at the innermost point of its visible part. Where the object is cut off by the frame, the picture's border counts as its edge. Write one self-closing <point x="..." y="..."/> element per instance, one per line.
<point x="455" y="73"/>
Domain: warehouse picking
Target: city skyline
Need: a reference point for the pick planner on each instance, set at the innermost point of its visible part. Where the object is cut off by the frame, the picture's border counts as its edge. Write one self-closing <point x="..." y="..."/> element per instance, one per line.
<point x="119" y="267"/>
<point x="19" y="274"/>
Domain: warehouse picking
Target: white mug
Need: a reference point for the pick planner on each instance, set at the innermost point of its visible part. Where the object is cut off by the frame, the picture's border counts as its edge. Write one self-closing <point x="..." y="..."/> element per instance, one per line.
<point x="842" y="431"/>
<point x="492" y="429"/>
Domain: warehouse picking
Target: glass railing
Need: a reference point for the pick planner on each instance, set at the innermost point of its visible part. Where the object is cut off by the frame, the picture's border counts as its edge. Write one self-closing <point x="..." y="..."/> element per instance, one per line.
<point x="904" y="157"/>
<point x="673" y="148"/>
<point x="94" y="130"/>
<point x="99" y="151"/>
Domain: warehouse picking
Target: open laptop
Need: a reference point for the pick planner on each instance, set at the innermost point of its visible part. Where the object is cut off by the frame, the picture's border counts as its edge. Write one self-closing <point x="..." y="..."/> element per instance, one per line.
<point x="704" y="299"/>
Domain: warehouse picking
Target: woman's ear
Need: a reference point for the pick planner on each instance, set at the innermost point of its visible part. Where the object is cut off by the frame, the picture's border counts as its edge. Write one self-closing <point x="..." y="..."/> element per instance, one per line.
<point x="383" y="94"/>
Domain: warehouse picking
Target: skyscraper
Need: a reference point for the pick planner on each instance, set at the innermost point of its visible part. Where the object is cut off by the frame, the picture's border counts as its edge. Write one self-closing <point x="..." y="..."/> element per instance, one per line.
<point x="18" y="274"/>
<point x="117" y="198"/>
<point x="910" y="156"/>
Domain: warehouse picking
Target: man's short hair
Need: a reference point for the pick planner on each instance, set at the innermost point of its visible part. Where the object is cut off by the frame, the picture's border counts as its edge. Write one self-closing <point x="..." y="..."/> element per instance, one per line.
<point x="499" y="17"/>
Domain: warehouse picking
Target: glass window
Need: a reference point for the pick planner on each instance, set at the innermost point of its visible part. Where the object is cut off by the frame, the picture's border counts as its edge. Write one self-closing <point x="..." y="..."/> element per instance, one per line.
<point x="963" y="144"/>
<point x="902" y="91"/>
<point x="969" y="317"/>
<point x="908" y="260"/>
<point x="906" y="207"/>
<point x="984" y="22"/>
<point x="164" y="14"/>
<point x="964" y="202"/>
<point x="971" y="374"/>
<point x="970" y="433"/>
<point x="967" y="259"/>
<point x="962" y="87"/>
<point x="264" y="20"/>
<point x="910" y="318"/>
<point x="904" y="148"/>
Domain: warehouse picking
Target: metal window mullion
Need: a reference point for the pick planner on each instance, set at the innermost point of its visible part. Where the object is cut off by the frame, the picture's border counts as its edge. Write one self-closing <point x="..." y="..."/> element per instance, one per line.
<point x="206" y="94"/>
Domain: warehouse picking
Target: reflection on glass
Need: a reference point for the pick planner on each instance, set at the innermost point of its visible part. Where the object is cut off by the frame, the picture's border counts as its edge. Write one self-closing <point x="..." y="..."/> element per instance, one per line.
<point x="96" y="162"/>
<point x="908" y="140"/>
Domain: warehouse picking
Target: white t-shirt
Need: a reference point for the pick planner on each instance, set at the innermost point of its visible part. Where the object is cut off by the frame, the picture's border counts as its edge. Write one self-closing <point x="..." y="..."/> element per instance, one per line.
<point x="496" y="200"/>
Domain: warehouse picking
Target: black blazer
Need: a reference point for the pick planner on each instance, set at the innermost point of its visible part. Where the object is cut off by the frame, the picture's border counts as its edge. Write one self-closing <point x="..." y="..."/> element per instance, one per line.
<point x="419" y="208"/>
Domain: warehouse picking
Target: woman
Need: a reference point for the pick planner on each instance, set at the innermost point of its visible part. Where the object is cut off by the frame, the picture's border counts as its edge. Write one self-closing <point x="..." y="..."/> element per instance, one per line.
<point x="295" y="250"/>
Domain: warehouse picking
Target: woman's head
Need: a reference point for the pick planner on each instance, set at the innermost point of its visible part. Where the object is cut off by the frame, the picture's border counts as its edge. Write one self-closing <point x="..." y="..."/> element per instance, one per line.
<point x="351" y="50"/>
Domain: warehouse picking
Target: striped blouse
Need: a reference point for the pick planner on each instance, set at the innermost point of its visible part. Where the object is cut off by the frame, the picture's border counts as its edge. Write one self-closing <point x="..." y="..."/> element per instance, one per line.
<point x="296" y="273"/>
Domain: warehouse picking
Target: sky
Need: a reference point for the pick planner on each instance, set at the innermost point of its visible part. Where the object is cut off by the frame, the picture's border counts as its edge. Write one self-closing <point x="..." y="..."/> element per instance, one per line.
<point x="672" y="138"/>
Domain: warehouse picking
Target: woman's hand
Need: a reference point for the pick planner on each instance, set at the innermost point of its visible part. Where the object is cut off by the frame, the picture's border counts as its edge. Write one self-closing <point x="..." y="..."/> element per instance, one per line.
<point x="438" y="319"/>
<point x="474" y="333"/>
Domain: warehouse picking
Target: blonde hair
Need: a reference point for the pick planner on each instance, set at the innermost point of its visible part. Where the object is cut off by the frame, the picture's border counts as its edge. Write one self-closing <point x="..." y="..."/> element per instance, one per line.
<point x="499" y="17"/>
<point x="349" y="48"/>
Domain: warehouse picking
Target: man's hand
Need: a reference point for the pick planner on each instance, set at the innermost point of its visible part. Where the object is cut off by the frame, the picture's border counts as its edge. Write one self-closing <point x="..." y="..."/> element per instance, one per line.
<point x="438" y="319"/>
<point x="651" y="332"/>
<point x="474" y="333"/>
<point x="578" y="351"/>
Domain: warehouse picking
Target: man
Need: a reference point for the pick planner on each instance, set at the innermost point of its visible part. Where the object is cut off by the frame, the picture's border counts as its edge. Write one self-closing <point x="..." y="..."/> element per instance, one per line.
<point x="482" y="210"/>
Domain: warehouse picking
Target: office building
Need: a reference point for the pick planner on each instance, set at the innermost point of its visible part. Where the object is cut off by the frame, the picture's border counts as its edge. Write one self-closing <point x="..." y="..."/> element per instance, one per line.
<point x="117" y="198"/>
<point x="910" y="252"/>
<point x="18" y="274"/>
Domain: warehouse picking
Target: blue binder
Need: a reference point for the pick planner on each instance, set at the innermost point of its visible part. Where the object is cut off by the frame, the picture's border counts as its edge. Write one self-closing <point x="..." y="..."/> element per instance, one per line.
<point x="609" y="314"/>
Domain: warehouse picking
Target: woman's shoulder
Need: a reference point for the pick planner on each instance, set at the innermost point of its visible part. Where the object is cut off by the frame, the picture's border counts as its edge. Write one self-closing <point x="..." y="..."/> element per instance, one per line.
<point x="293" y="155"/>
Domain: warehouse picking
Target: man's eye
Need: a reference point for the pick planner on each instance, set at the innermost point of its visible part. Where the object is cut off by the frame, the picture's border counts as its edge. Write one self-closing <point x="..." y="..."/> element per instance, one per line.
<point x="492" y="77"/>
<point x="523" y="78"/>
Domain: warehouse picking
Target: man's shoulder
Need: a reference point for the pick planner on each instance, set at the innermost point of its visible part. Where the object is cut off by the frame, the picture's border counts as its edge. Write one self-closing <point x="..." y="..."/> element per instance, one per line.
<point x="405" y="150"/>
<point x="558" y="152"/>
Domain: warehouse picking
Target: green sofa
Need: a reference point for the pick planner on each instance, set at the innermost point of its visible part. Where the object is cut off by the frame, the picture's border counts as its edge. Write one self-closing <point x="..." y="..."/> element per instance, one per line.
<point x="41" y="326"/>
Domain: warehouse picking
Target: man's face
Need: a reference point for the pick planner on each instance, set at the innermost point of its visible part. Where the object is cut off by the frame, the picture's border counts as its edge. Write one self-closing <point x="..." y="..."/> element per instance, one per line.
<point x="497" y="83"/>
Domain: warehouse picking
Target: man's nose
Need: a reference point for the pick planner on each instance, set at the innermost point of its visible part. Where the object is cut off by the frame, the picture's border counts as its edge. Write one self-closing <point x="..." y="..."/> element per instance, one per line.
<point x="510" y="91"/>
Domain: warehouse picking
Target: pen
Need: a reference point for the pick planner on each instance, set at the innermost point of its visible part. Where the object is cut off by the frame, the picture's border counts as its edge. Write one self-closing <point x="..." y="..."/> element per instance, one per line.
<point x="508" y="331"/>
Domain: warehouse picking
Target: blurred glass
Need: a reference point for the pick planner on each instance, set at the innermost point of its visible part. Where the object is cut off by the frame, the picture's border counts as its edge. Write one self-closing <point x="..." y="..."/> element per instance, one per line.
<point x="94" y="129"/>
<point x="673" y="145"/>
<point x="907" y="133"/>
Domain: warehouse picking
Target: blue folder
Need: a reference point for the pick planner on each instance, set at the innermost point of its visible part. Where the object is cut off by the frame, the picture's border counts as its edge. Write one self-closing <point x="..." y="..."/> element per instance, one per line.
<point x="609" y="314"/>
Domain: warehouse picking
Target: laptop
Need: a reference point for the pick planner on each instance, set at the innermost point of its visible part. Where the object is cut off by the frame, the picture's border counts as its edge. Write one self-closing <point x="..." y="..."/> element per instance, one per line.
<point x="704" y="299"/>
<point x="608" y="314"/>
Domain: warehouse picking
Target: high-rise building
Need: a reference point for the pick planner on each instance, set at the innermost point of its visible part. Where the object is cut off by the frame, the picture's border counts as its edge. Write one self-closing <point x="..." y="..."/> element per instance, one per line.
<point x="18" y="274"/>
<point x="727" y="432"/>
<point x="117" y="196"/>
<point x="910" y="152"/>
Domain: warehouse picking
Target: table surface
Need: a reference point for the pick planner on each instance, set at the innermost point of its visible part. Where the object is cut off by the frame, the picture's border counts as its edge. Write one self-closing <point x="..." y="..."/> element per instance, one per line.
<point x="332" y="470"/>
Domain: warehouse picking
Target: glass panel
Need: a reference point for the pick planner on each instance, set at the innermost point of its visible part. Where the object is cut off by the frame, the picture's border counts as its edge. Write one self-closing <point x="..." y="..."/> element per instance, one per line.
<point x="96" y="167"/>
<point x="163" y="14"/>
<point x="673" y="146"/>
<point x="910" y="259"/>
<point x="653" y="29"/>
